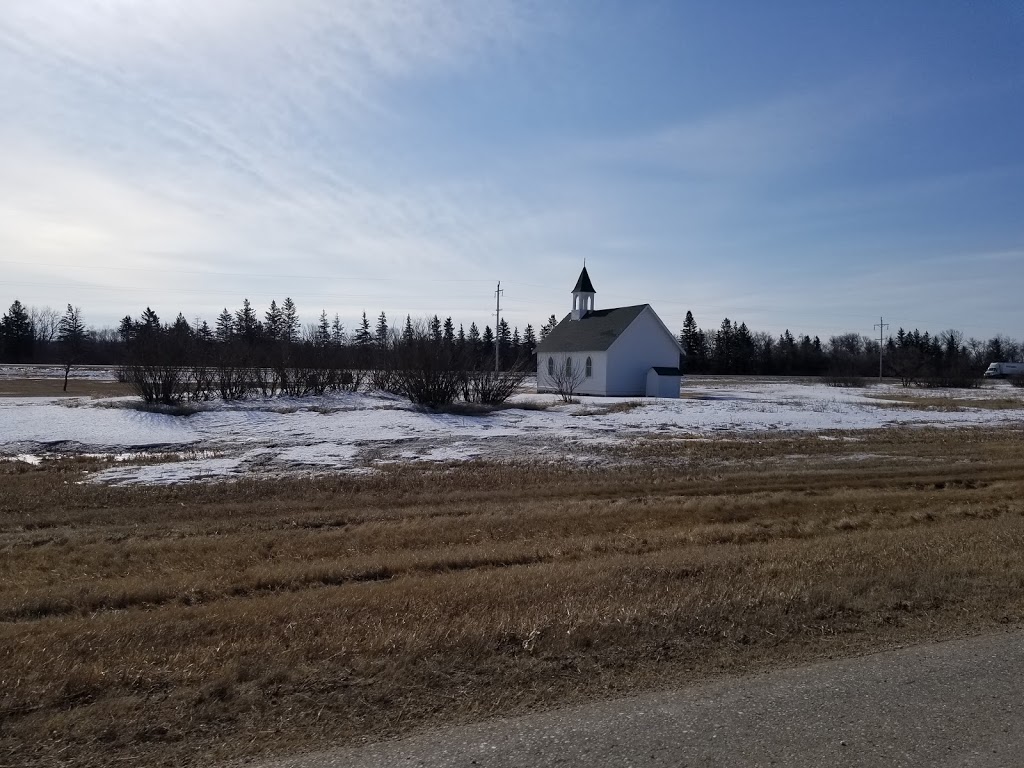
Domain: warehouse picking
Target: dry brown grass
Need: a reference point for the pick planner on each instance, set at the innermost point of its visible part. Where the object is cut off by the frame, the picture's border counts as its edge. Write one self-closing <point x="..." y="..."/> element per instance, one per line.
<point x="947" y="403"/>
<point x="55" y="388"/>
<point x="182" y="625"/>
<point x="601" y="410"/>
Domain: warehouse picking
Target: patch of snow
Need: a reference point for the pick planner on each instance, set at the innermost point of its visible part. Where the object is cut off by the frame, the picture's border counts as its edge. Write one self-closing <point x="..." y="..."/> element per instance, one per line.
<point x="353" y="432"/>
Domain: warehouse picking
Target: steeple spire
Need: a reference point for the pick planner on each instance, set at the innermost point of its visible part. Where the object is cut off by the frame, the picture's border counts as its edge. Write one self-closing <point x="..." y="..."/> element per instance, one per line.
<point x="582" y="296"/>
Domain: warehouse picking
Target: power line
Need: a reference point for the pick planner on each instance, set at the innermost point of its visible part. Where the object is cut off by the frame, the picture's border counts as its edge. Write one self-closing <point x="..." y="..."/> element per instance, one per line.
<point x="881" y="344"/>
<point x="207" y="273"/>
<point x="497" y="322"/>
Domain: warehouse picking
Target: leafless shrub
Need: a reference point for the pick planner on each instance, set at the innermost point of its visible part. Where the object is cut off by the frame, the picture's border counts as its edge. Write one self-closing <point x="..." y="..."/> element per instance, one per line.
<point x="155" y="382"/>
<point x="841" y="380"/>
<point x="493" y="387"/>
<point x="950" y="381"/>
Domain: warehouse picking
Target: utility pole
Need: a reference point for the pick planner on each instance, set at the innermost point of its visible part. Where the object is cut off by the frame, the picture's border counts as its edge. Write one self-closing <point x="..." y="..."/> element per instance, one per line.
<point x="497" y="322"/>
<point x="881" y="330"/>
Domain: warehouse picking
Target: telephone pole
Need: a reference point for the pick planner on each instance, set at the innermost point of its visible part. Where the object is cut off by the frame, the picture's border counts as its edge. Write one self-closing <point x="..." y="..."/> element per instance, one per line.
<point x="881" y="330"/>
<point x="497" y="336"/>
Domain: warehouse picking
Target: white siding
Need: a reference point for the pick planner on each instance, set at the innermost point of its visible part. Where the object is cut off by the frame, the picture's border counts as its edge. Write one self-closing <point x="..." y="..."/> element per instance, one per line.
<point x="644" y="344"/>
<point x="594" y="385"/>
<point x="662" y="386"/>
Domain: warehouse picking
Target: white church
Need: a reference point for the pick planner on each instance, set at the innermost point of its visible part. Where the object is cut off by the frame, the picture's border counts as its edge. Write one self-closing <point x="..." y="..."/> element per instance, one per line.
<point x="624" y="351"/>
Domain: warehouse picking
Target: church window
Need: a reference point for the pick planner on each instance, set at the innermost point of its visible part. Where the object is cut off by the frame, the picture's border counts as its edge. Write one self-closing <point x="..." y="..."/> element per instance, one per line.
<point x="590" y="367"/>
<point x="551" y="366"/>
<point x="568" y="367"/>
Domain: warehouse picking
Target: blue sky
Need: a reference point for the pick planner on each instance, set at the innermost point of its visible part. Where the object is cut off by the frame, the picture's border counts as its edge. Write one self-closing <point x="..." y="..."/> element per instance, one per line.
<point x="800" y="165"/>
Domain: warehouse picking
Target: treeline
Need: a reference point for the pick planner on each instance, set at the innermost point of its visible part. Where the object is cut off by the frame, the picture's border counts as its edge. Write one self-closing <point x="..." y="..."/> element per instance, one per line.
<point x="31" y="335"/>
<point x="243" y="355"/>
<point x="912" y="356"/>
<point x="278" y="340"/>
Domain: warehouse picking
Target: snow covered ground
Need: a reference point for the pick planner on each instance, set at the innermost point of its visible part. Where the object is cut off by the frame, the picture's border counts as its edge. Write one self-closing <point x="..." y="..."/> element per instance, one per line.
<point x="358" y="432"/>
<point x="84" y="372"/>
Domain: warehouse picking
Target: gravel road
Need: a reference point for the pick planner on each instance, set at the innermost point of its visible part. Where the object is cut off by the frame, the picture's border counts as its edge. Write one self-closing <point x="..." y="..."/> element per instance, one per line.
<point x="958" y="703"/>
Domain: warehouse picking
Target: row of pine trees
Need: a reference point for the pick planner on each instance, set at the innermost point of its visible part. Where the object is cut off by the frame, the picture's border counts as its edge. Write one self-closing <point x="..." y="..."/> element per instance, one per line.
<point x="32" y="335"/>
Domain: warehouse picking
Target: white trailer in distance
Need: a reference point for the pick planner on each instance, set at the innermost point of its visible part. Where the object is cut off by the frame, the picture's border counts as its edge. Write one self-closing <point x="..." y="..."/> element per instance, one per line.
<point x="1002" y="370"/>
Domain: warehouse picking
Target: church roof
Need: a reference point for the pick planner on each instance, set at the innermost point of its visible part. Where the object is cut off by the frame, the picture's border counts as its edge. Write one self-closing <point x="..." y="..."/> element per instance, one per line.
<point x="597" y="331"/>
<point x="583" y="285"/>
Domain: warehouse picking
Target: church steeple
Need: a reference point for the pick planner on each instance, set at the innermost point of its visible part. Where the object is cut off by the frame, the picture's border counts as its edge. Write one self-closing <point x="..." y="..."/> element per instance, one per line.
<point x="582" y="296"/>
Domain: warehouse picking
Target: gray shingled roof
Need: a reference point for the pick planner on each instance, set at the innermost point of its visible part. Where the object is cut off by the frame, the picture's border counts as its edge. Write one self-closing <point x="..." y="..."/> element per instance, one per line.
<point x="597" y="331"/>
<point x="583" y="285"/>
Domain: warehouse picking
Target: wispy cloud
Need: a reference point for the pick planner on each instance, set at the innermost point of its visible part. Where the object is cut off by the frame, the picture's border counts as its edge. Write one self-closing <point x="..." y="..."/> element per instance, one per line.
<point x="233" y="136"/>
<point x="789" y="133"/>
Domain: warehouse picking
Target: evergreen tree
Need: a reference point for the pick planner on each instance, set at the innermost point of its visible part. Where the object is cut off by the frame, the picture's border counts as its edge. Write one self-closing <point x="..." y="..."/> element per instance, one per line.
<point x="71" y="329"/>
<point x="180" y="329"/>
<point x="289" y="321"/>
<point x="407" y="332"/>
<point x="744" y="350"/>
<point x="487" y="345"/>
<point x="203" y="332"/>
<point x="529" y="341"/>
<point x="787" y="353"/>
<point x="724" y="348"/>
<point x="688" y="336"/>
<point x="225" y="326"/>
<point x="273" y="320"/>
<point x="381" y="331"/>
<point x="504" y="342"/>
<point x="435" y="330"/>
<point x="126" y="329"/>
<point x="71" y="337"/>
<point x="473" y="343"/>
<point x="247" y="325"/>
<point x="322" y="336"/>
<point x="548" y="327"/>
<point x="363" y="336"/>
<point x="337" y="331"/>
<point x="149" y="323"/>
<point x="449" y="332"/>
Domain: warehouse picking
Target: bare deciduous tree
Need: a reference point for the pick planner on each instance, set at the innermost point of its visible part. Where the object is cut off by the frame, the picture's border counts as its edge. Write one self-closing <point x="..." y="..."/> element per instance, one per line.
<point x="567" y="377"/>
<point x="45" y="324"/>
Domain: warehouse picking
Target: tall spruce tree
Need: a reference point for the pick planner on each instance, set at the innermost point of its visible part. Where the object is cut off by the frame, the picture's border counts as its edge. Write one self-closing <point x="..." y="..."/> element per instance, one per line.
<point x="273" y="320"/>
<point x="71" y="337"/>
<point x="247" y="325"/>
<point x="16" y="334"/>
<point x="322" y="333"/>
<point x="548" y="327"/>
<point x="289" y="321"/>
<point x="529" y="341"/>
<point x="225" y="326"/>
<point x="364" y="337"/>
<point x="380" y="333"/>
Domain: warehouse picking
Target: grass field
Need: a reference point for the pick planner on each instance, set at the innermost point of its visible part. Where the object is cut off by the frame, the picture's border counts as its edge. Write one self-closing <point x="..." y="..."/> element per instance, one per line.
<point x="196" y="623"/>
<point x="53" y="387"/>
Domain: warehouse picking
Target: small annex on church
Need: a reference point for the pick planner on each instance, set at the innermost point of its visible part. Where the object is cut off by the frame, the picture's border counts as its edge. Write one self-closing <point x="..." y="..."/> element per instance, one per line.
<point x="623" y="351"/>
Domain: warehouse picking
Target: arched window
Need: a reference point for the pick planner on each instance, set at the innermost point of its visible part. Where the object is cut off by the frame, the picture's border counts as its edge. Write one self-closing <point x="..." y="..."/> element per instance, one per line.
<point x="551" y="366"/>
<point x="590" y="367"/>
<point x="568" y="367"/>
